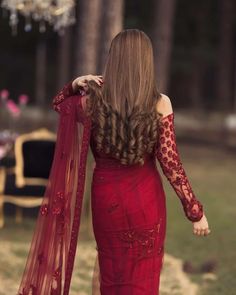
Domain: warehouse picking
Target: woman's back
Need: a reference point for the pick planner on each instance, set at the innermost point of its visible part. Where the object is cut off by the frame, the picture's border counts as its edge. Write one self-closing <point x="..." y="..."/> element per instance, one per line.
<point x="163" y="106"/>
<point x="129" y="223"/>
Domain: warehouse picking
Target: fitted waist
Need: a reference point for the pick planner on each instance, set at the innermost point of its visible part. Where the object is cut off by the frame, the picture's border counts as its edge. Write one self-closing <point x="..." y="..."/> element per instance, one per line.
<point x="112" y="163"/>
<point x="109" y="171"/>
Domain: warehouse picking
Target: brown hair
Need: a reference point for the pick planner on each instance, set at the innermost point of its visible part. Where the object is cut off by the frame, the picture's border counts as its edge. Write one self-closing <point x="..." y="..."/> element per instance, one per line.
<point x="124" y="108"/>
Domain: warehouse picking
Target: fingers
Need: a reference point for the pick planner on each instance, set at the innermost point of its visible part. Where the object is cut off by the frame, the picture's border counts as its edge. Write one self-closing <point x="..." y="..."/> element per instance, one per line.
<point x="83" y="84"/>
<point x="82" y="81"/>
<point x="99" y="80"/>
<point x="201" y="231"/>
<point x="96" y="78"/>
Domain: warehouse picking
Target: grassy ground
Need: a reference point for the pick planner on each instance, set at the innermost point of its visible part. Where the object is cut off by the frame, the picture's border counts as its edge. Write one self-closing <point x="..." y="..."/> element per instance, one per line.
<point x="211" y="172"/>
<point x="212" y="175"/>
<point x="14" y="246"/>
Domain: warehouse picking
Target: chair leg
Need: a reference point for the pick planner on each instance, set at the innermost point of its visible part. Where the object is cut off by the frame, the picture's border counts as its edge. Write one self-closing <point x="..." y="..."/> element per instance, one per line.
<point x="19" y="214"/>
<point x="1" y="211"/>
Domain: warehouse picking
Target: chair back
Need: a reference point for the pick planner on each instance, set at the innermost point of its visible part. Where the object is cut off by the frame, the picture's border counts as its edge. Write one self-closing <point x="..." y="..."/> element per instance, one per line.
<point x="34" y="153"/>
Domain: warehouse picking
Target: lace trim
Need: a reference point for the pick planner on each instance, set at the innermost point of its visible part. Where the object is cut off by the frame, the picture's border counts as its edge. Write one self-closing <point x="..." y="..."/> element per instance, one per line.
<point x="65" y="92"/>
<point x="78" y="204"/>
<point x="167" y="154"/>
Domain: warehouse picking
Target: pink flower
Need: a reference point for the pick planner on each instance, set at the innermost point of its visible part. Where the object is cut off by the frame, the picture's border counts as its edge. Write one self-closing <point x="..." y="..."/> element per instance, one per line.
<point x="13" y="108"/>
<point x="4" y="93"/>
<point x="23" y="99"/>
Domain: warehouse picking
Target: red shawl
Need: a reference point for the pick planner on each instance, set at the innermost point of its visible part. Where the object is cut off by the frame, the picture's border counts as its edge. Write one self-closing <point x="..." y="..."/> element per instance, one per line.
<point x="52" y="252"/>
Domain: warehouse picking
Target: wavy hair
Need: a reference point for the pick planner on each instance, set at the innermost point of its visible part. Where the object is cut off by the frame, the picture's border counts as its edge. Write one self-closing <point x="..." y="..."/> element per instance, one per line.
<point x="123" y="109"/>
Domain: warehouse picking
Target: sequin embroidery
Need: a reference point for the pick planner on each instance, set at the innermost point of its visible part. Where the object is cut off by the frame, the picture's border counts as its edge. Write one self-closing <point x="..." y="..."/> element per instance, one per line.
<point x="167" y="154"/>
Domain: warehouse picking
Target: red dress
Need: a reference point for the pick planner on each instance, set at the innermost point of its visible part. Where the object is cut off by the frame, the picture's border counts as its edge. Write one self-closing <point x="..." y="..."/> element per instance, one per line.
<point x="128" y="214"/>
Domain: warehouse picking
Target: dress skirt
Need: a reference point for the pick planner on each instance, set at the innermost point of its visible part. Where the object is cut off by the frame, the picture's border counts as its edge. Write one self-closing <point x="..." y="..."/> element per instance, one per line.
<point x="129" y="224"/>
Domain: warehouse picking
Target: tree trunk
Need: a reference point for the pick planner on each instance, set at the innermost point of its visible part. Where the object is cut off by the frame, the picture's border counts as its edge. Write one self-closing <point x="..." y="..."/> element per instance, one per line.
<point x="226" y="56"/>
<point x="162" y="40"/>
<point x="198" y="64"/>
<point x="111" y="25"/>
<point x="87" y="36"/>
<point x="40" y="79"/>
<point x="234" y="103"/>
<point x="64" y="58"/>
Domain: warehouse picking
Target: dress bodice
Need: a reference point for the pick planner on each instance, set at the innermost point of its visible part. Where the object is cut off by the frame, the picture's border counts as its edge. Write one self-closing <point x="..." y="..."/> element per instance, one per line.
<point x="104" y="160"/>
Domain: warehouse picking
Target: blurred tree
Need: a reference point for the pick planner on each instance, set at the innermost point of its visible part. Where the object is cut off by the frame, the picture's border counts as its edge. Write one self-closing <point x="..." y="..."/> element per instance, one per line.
<point x="111" y="24"/>
<point x="198" y="52"/>
<point x="162" y="40"/>
<point x="234" y="90"/>
<point x="225" y="71"/>
<point x="87" y="36"/>
<point x="196" y="66"/>
<point x="41" y="66"/>
<point x="64" y="57"/>
<point x="139" y="14"/>
<point x="193" y="65"/>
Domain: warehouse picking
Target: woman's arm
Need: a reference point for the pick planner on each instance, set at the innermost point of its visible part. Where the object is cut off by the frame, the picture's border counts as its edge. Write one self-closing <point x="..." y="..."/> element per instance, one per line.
<point x="76" y="86"/>
<point x="65" y="92"/>
<point x="170" y="162"/>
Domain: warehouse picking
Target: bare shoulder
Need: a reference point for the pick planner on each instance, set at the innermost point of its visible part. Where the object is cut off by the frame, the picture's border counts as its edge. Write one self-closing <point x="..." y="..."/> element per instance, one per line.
<point x="164" y="105"/>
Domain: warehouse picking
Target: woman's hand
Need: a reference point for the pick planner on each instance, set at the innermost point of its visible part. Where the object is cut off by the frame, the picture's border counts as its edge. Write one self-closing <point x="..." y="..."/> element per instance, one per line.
<point x="201" y="227"/>
<point x="82" y="81"/>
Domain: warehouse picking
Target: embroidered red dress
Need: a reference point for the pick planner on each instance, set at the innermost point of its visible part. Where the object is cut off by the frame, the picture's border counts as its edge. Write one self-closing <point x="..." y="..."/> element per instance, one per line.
<point x="129" y="212"/>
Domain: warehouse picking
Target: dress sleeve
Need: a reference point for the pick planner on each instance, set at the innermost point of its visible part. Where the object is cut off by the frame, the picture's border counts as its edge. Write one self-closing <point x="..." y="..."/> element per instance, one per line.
<point x="65" y="92"/>
<point x="168" y="156"/>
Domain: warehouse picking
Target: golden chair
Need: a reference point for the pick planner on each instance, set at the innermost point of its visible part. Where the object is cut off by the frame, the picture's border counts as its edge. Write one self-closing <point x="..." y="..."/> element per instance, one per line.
<point x="24" y="184"/>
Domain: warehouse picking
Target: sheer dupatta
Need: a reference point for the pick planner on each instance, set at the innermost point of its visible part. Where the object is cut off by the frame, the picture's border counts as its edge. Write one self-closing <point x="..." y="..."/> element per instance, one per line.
<point x="52" y="252"/>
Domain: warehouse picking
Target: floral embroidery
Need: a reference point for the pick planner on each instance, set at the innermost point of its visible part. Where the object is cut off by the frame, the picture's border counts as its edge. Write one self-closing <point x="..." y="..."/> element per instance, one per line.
<point x="143" y="237"/>
<point x="44" y="209"/>
<point x="23" y="292"/>
<point x="32" y="291"/>
<point x="58" y="203"/>
<point x="66" y="91"/>
<point x="168" y="156"/>
<point x="57" y="207"/>
<point x="56" y="283"/>
<point x="57" y="273"/>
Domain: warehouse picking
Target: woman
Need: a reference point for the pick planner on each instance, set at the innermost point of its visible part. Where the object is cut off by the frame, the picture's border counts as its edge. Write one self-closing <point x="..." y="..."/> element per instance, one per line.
<point x="128" y="125"/>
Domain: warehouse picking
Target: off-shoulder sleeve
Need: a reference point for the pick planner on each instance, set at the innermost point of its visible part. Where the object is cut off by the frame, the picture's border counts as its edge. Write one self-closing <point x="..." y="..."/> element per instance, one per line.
<point x="65" y="92"/>
<point x="168" y="156"/>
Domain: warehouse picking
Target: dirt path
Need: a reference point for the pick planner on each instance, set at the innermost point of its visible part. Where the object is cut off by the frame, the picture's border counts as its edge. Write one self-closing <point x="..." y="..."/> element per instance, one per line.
<point x="12" y="258"/>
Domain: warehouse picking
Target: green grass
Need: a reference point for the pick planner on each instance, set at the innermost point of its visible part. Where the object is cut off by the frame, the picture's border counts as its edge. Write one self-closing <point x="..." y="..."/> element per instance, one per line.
<point x="211" y="173"/>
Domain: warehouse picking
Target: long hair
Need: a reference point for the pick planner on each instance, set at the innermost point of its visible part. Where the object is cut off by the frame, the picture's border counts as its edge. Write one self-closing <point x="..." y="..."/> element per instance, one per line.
<point x="123" y="109"/>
